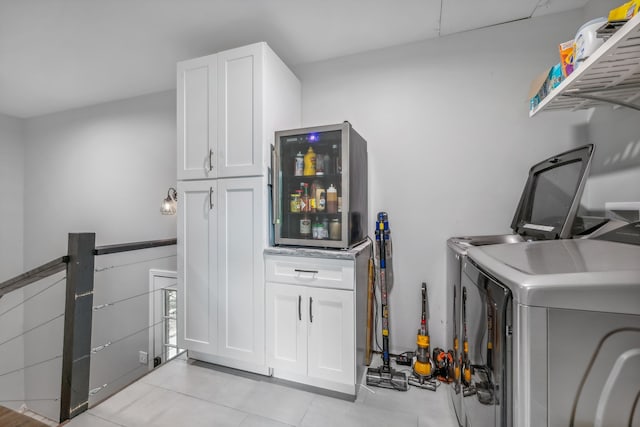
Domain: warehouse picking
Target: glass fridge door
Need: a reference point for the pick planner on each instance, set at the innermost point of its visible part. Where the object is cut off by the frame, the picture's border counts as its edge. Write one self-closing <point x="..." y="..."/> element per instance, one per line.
<point x="310" y="188"/>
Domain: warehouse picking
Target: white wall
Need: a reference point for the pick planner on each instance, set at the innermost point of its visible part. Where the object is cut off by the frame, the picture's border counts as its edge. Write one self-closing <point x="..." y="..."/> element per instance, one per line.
<point x="597" y="8"/>
<point x="615" y="170"/>
<point x="11" y="225"/>
<point x="12" y="195"/>
<point x="102" y="169"/>
<point x="450" y="142"/>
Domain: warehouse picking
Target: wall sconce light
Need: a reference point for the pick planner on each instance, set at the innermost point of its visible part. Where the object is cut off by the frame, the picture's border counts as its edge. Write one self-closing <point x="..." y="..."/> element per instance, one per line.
<point x="170" y="202"/>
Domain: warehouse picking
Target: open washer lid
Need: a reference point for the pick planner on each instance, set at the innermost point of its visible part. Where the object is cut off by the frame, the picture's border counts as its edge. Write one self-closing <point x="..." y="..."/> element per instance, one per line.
<point x="551" y="196"/>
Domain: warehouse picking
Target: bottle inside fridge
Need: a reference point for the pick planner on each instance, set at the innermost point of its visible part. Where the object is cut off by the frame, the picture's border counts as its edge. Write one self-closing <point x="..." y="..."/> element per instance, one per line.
<point x="332" y="187"/>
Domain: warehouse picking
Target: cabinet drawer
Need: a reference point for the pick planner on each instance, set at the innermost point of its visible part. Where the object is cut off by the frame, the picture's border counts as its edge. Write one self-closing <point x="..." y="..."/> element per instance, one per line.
<point x="318" y="272"/>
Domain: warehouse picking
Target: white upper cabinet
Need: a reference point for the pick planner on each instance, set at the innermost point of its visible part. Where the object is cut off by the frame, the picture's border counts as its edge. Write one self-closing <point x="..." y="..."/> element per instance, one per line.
<point x="229" y="105"/>
<point x="197" y="118"/>
<point x="240" y="151"/>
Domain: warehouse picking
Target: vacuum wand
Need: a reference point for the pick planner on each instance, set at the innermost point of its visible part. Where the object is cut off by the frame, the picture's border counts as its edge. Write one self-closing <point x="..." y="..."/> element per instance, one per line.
<point x="385" y="376"/>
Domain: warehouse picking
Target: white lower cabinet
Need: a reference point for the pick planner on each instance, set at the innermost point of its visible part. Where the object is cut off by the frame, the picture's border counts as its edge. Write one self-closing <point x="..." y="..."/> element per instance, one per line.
<point x="197" y="290"/>
<point x="310" y="331"/>
<point x="331" y="346"/>
<point x="286" y="327"/>
<point x="311" y="328"/>
<point x="221" y="236"/>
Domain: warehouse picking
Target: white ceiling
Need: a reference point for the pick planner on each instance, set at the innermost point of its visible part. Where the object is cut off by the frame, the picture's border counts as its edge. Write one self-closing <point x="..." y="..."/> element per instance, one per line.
<point x="57" y="55"/>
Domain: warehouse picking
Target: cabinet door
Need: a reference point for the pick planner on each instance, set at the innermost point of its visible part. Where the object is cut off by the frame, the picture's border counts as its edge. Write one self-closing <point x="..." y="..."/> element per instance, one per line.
<point x="287" y="310"/>
<point x="197" y="118"/>
<point x="240" y="140"/>
<point x="331" y="335"/>
<point x="241" y="241"/>
<point x="197" y="254"/>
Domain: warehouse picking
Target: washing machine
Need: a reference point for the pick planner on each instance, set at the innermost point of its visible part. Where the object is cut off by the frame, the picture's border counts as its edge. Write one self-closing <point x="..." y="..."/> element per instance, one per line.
<point x="553" y="331"/>
<point x="547" y="210"/>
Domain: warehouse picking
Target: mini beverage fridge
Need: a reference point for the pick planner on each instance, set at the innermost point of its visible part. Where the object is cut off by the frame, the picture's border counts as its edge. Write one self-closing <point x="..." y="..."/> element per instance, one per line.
<point x="320" y="187"/>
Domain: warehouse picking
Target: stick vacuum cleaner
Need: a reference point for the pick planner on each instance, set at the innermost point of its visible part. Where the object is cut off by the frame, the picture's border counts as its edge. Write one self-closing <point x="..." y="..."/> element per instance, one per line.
<point x="385" y="376"/>
<point x="422" y="375"/>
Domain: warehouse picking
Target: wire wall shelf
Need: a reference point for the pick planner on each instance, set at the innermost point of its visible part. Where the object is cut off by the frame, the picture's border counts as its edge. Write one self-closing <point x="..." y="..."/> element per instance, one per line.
<point x="611" y="75"/>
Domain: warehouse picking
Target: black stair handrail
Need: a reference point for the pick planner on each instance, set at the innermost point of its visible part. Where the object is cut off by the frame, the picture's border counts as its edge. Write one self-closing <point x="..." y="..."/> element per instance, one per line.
<point x="33" y="275"/>
<point x="59" y="264"/>
<point x="134" y="246"/>
<point x="78" y="309"/>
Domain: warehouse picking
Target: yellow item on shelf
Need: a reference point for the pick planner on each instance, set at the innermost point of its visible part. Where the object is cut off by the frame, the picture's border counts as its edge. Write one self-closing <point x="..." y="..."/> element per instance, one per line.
<point x="624" y="12"/>
<point x="310" y="163"/>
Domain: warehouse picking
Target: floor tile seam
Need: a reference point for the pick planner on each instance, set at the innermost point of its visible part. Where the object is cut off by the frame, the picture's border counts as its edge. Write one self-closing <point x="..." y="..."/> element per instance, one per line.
<point x="274" y="420"/>
<point x="299" y="423"/>
<point x="155" y="371"/>
<point x="295" y="423"/>
<point x="349" y="412"/>
<point x="104" y="419"/>
<point x="285" y="423"/>
<point x="408" y="411"/>
<point x="127" y="405"/>
<point x="187" y="372"/>
<point x="373" y="404"/>
<point x="390" y="412"/>
<point x="191" y="396"/>
<point x="366" y="403"/>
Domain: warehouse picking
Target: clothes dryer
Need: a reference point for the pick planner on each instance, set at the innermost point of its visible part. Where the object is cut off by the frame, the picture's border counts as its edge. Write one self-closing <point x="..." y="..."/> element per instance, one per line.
<point x="547" y="210"/>
<point x="554" y="332"/>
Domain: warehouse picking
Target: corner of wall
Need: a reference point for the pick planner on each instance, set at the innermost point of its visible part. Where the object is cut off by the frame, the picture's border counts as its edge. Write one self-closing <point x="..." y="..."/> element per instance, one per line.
<point x="12" y="172"/>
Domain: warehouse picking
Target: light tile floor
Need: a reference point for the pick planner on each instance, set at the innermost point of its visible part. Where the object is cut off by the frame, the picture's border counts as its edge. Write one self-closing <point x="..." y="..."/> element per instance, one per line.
<point x="188" y="393"/>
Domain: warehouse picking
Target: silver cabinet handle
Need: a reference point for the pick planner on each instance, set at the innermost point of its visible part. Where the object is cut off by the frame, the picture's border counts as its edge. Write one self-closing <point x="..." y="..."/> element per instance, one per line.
<point x="299" y="307"/>
<point x="297" y="270"/>
<point x="310" y="309"/>
<point x="210" y="159"/>
<point x="211" y="198"/>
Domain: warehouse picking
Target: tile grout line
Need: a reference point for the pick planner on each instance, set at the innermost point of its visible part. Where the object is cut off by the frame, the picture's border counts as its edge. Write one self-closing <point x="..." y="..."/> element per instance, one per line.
<point x="299" y="423"/>
<point x="104" y="419"/>
<point x="258" y="380"/>
<point x="246" y="413"/>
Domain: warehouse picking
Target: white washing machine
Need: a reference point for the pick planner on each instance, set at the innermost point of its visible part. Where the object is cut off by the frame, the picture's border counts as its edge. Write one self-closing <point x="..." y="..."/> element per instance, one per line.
<point x="554" y="332"/>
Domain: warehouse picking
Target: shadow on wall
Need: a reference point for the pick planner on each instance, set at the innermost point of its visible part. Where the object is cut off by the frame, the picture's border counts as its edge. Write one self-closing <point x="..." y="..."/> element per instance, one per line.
<point x="616" y="134"/>
<point x="615" y="169"/>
